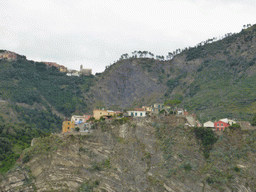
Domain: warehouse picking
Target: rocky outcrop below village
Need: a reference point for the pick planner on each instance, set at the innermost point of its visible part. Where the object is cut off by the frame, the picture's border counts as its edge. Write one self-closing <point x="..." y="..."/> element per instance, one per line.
<point x="146" y="154"/>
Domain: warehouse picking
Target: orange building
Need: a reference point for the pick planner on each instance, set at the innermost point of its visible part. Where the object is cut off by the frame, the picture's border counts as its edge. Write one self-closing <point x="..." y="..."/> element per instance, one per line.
<point x="67" y="126"/>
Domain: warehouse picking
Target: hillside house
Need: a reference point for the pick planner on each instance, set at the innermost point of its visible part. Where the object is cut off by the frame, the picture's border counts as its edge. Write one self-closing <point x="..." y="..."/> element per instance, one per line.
<point x="61" y="68"/>
<point x="158" y="106"/>
<point x="229" y="121"/>
<point x="220" y="125"/>
<point x="84" y="127"/>
<point x="67" y="126"/>
<point x="209" y="124"/>
<point x="86" y="72"/>
<point x="97" y="113"/>
<point x="72" y="73"/>
<point x="147" y="109"/>
<point x="180" y="111"/>
<point x="245" y="125"/>
<point x="77" y="119"/>
<point x="8" y="55"/>
<point x="138" y="112"/>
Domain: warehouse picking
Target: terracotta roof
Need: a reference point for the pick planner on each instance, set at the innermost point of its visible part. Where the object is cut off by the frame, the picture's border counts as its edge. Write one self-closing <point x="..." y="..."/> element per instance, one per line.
<point x="139" y="109"/>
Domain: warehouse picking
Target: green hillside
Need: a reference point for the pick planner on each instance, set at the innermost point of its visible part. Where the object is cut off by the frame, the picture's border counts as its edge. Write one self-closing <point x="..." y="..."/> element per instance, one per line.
<point x="223" y="78"/>
<point x="29" y="82"/>
<point x="215" y="79"/>
<point x="34" y="101"/>
<point x="33" y="91"/>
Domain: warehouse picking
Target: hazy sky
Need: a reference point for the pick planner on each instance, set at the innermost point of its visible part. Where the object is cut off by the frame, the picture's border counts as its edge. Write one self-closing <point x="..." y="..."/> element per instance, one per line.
<point x="95" y="33"/>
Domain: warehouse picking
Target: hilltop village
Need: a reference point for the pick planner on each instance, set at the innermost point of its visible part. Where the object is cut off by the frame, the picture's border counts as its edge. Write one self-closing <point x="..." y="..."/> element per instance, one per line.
<point x="83" y="124"/>
<point x="11" y="56"/>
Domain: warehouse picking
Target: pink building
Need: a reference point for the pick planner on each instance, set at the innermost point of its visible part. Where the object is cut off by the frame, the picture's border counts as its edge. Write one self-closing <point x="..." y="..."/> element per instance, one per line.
<point x="220" y="125"/>
<point x="87" y="117"/>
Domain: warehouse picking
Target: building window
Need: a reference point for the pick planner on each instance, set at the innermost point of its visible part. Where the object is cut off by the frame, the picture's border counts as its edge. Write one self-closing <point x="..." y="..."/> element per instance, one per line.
<point x="68" y="127"/>
<point x="68" y="123"/>
<point x="158" y="106"/>
<point x="140" y="114"/>
<point x="135" y="114"/>
<point x="218" y="124"/>
<point x="221" y="129"/>
<point x="162" y="106"/>
<point x="131" y="113"/>
<point x="221" y="124"/>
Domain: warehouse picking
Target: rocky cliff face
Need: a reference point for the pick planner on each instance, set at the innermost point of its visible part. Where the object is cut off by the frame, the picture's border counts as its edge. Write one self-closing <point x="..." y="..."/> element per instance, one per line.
<point x="136" y="156"/>
<point x="128" y="83"/>
<point x="214" y="80"/>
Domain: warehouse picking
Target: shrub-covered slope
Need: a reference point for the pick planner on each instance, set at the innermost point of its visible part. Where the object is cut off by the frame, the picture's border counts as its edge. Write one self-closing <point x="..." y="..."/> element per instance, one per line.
<point x="28" y="82"/>
<point x="214" y="80"/>
<point x="140" y="155"/>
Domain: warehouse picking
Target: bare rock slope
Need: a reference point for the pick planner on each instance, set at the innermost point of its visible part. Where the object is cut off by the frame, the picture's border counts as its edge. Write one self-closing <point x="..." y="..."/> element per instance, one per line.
<point x="135" y="156"/>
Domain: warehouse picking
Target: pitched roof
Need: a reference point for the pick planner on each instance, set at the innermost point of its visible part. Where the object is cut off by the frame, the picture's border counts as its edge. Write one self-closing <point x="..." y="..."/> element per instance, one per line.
<point x="139" y="109"/>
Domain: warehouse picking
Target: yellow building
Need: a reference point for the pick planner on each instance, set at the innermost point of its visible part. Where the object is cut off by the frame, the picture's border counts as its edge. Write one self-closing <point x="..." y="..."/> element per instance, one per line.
<point x="67" y="126"/>
<point x="97" y="113"/>
<point x="63" y="69"/>
<point x="147" y="109"/>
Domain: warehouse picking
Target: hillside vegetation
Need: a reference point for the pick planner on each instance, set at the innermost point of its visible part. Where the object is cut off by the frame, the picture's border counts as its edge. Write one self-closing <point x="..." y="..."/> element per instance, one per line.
<point x="34" y="100"/>
<point x="149" y="154"/>
<point x="29" y="82"/>
<point x="14" y="138"/>
<point x="214" y="80"/>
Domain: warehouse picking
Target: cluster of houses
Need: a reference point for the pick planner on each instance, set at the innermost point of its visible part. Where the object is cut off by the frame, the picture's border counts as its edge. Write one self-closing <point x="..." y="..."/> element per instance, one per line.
<point x="8" y="55"/>
<point x="11" y="56"/>
<point x="85" y="122"/>
<point x="222" y="124"/>
<point x="154" y="110"/>
<point x="69" y="72"/>
<point x="219" y="125"/>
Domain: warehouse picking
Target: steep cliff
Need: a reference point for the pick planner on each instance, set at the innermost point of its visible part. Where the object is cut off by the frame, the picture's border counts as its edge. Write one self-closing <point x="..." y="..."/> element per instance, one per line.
<point x="128" y="83"/>
<point x="141" y="155"/>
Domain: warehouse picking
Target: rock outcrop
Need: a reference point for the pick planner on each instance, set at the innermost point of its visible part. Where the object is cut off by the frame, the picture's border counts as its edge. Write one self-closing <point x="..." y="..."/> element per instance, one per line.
<point x="149" y="154"/>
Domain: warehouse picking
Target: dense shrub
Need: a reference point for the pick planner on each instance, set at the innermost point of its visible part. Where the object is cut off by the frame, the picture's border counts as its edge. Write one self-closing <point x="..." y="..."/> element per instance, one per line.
<point x="206" y="138"/>
<point x="13" y="139"/>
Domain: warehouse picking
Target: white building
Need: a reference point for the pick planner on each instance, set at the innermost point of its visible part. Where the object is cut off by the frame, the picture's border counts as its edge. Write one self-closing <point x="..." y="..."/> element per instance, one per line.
<point x="137" y="113"/>
<point x="77" y="119"/>
<point x="229" y="121"/>
<point x="209" y="124"/>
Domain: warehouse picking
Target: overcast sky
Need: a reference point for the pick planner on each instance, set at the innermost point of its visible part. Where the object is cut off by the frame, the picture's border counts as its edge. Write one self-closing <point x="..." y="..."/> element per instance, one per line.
<point x="95" y="33"/>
